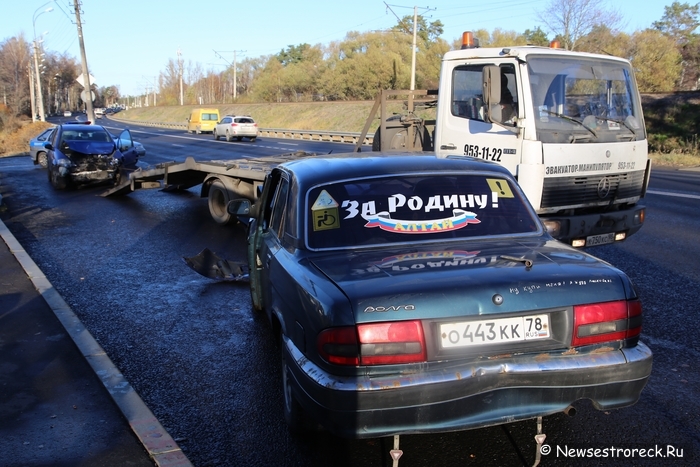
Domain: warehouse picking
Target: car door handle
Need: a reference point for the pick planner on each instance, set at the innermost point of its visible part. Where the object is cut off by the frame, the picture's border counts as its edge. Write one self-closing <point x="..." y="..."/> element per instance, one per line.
<point x="448" y="146"/>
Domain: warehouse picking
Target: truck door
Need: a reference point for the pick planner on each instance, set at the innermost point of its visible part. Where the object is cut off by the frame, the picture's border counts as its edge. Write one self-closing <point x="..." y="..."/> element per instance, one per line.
<point x="463" y="125"/>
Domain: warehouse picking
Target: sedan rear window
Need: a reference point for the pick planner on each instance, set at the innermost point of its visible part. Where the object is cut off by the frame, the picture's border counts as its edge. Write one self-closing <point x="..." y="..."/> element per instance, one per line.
<point x="416" y="208"/>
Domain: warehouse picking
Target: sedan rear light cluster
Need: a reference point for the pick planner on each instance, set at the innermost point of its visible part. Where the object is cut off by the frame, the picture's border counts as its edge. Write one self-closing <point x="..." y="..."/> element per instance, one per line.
<point x="374" y="344"/>
<point x="607" y="321"/>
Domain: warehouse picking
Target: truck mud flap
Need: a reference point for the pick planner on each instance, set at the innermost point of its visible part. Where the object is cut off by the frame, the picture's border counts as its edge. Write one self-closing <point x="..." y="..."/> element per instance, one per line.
<point x="210" y="265"/>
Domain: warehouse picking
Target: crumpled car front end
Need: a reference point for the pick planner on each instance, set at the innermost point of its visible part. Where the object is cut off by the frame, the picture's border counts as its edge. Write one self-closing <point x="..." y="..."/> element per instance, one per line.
<point x="89" y="162"/>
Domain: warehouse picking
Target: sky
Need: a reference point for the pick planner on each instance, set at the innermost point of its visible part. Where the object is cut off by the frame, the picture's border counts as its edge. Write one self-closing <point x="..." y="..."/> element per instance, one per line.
<point x="128" y="43"/>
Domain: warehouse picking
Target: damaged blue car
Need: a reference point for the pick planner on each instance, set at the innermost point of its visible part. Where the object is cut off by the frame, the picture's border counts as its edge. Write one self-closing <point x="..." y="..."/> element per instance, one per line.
<point x="82" y="153"/>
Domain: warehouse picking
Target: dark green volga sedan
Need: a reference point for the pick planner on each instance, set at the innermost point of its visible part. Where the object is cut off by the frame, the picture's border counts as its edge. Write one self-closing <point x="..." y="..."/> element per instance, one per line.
<point x="416" y="294"/>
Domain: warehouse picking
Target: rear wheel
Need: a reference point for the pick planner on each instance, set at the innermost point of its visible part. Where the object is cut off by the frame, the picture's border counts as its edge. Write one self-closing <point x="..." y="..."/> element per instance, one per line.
<point x="229" y="138"/>
<point x="294" y="415"/>
<point x="252" y="140"/>
<point x="218" y="202"/>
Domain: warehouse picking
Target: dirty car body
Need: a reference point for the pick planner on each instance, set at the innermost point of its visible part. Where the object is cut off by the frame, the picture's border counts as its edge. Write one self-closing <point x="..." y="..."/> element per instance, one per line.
<point x="82" y="153"/>
<point x="415" y="294"/>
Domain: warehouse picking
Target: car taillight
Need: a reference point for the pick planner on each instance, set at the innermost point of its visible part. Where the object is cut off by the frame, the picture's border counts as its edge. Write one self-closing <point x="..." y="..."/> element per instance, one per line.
<point x="608" y="321"/>
<point x="234" y="124"/>
<point x="374" y="344"/>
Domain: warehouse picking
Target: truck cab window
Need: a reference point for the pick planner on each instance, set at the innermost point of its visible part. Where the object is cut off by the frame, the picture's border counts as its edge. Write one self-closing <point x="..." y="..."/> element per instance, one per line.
<point x="467" y="93"/>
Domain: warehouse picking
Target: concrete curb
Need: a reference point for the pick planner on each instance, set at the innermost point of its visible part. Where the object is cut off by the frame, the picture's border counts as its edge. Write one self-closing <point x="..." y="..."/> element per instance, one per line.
<point x="160" y="445"/>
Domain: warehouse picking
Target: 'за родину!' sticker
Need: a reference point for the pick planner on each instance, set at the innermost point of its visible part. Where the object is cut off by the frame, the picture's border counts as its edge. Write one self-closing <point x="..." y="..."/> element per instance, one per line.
<point x="325" y="212"/>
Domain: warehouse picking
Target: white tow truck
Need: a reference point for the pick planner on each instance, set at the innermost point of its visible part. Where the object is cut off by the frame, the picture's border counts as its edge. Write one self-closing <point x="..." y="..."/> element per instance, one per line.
<point x="568" y="125"/>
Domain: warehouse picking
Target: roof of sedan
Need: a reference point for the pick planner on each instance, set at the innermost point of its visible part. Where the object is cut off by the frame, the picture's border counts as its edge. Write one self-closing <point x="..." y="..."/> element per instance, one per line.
<point x="81" y="126"/>
<point x="313" y="170"/>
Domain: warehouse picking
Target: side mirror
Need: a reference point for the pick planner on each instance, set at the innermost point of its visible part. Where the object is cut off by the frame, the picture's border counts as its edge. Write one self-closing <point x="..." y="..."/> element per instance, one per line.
<point x="240" y="208"/>
<point x="491" y="87"/>
<point x="48" y="146"/>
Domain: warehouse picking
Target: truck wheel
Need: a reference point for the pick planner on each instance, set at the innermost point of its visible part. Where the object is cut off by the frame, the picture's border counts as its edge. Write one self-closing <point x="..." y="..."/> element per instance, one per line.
<point x="218" y="200"/>
<point x="199" y="132"/>
<point x="397" y="137"/>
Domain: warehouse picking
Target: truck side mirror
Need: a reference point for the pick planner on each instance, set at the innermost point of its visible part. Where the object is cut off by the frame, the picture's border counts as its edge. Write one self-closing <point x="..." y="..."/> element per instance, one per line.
<point x="491" y="86"/>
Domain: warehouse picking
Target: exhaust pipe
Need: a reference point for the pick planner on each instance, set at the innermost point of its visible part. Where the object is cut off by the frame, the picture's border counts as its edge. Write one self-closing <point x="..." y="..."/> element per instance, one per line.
<point x="570" y="411"/>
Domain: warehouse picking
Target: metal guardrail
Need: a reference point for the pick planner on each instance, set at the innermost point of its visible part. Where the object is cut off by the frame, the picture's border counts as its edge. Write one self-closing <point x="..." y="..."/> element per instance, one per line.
<point x="308" y="135"/>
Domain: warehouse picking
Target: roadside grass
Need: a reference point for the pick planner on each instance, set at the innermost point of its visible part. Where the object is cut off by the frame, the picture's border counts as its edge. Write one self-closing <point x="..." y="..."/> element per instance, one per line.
<point x="323" y="116"/>
<point x="15" y="134"/>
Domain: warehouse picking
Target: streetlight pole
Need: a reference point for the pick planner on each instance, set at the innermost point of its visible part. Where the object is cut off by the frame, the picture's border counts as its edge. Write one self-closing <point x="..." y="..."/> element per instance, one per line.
<point x="40" y="96"/>
<point x="32" y="89"/>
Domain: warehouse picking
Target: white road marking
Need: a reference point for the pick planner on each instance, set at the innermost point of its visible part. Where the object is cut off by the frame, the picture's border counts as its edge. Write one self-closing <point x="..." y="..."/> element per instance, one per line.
<point x="677" y="195"/>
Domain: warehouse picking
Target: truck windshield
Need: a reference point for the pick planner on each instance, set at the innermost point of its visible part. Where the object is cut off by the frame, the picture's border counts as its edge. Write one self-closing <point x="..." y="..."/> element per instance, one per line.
<point x="415" y="209"/>
<point x="584" y="100"/>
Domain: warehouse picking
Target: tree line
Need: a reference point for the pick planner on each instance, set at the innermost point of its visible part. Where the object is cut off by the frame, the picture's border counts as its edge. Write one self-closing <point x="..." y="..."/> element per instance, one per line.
<point x="666" y="57"/>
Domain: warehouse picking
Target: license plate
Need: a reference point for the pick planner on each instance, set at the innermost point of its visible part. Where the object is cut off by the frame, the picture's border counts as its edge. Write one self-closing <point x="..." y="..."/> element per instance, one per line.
<point x="603" y="239"/>
<point x="494" y="331"/>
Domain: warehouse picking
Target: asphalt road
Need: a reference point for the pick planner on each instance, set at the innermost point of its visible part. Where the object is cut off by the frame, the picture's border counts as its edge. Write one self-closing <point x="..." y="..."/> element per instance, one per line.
<point x="206" y="364"/>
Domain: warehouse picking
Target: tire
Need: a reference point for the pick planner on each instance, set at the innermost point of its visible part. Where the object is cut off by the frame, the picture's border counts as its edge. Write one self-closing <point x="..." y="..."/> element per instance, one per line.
<point x="294" y="415"/>
<point x="41" y="159"/>
<point x="398" y="137"/>
<point x="219" y="197"/>
<point x="216" y="135"/>
<point x="57" y="182"/>
<point x="198" y="131"/>
<point x="229" y="138"/>
<point x="252" y="140"/>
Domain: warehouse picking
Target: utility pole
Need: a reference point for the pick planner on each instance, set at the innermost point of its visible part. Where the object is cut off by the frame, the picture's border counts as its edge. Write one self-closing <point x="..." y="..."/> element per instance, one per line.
<point x="31" y="91"/>
<point x="40" y="95"/>
<point x="86" y="74"/>
<point x="413" y="51"/>
<point x="179" y="66"/>
<point x="235" y="79"/>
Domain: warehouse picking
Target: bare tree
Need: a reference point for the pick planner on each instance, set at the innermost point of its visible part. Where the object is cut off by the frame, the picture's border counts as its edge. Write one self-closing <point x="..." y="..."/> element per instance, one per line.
<point x="570" y="20"/>
<point x="14" y="73"/>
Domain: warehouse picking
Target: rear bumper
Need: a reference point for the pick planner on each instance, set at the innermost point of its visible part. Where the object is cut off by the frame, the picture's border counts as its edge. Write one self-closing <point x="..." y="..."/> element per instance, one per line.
<point x="471" y="395"/>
